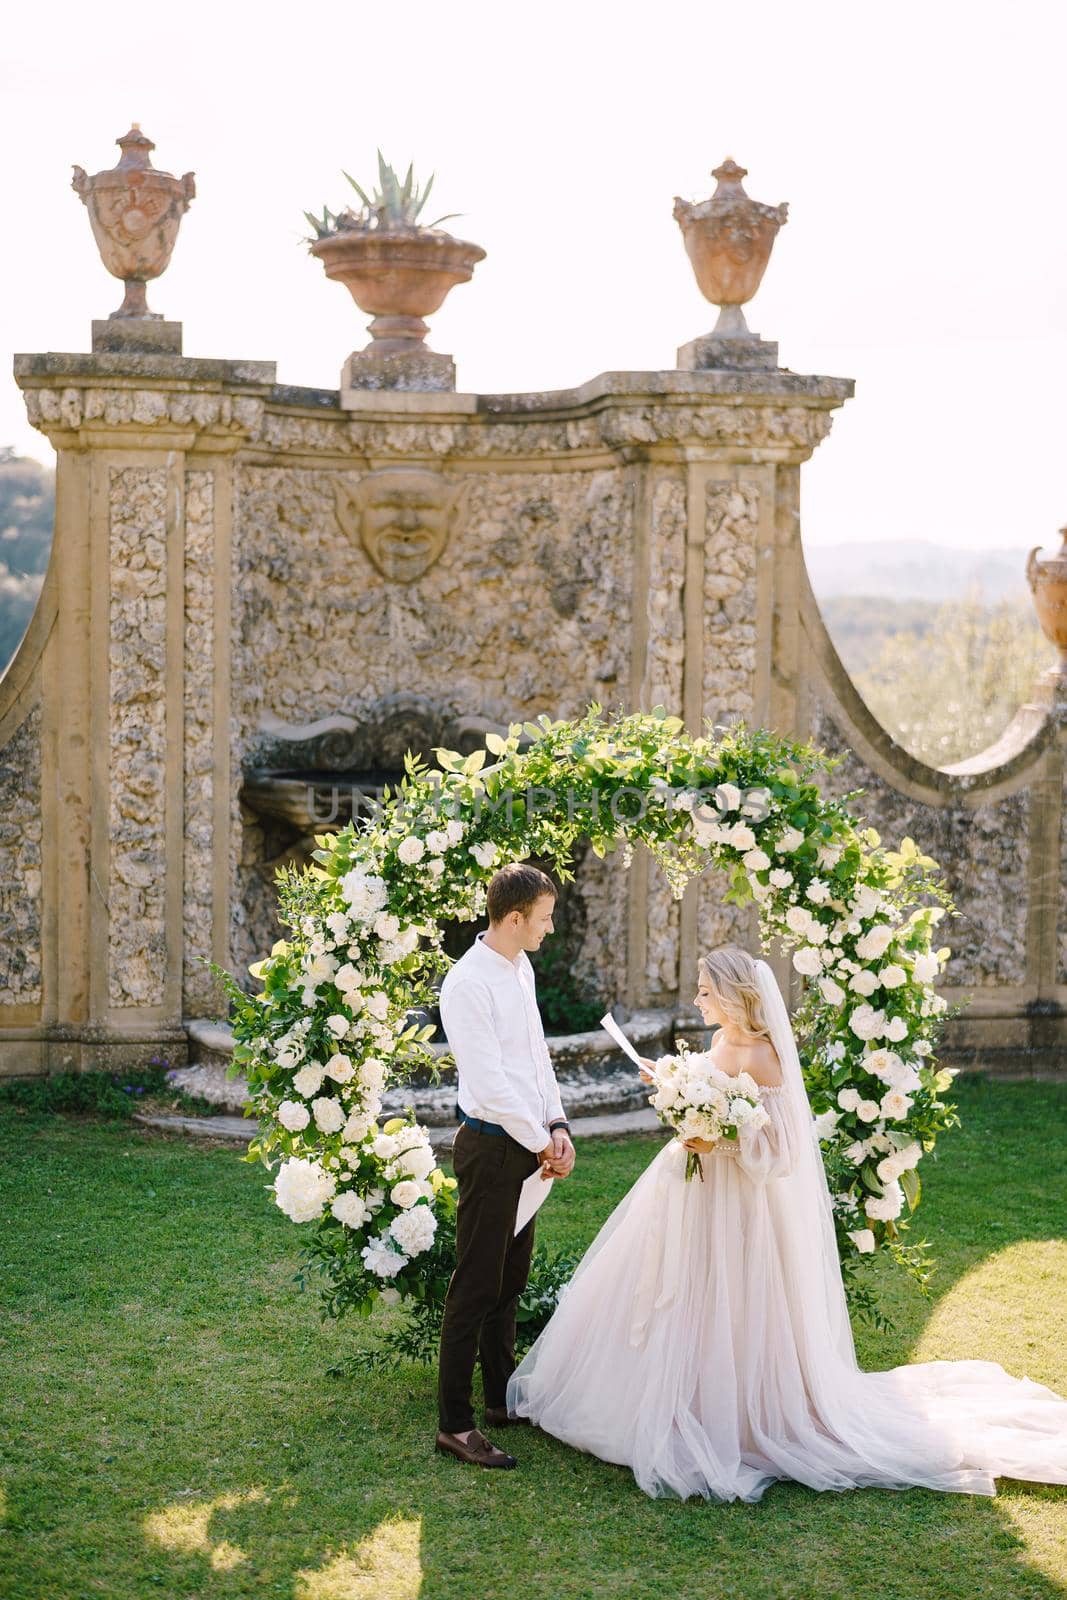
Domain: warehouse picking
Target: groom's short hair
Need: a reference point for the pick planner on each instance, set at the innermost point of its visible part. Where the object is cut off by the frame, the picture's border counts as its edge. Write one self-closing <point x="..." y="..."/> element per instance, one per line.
<point x="516" y="887"/>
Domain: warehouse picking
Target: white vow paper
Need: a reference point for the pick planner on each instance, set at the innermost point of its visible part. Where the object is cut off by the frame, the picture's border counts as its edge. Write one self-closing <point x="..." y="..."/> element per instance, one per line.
<point x="609" y="1024"/>
<point x="532" y="1197"/>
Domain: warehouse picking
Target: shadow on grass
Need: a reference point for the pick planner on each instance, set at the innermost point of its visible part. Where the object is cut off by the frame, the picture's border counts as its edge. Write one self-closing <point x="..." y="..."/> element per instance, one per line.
<point x="171" y="1430"/>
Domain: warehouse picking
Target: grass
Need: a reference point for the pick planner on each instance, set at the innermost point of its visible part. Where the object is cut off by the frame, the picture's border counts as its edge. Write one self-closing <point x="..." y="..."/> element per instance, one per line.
<point x="168" y="1427"/>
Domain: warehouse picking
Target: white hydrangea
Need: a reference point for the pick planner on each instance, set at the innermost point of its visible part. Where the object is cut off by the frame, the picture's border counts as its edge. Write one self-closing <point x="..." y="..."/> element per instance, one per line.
<point x="302" y="1188"/>
<point x="293" y="1115"/>
<point x="308" y="1080"/>
<point x="884" y="1208"/>
<point x="379" y="1259"/>
<point x="414" y="1230"/>
<point x="350" y="1209"/>
<point x="866" y="1022"/>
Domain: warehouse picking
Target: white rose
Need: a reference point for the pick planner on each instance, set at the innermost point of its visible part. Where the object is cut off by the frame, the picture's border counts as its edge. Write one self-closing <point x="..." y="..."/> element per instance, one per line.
<point x="867" y="1110"/>
<point x="411" y="850"/>
<point x="863" y="982"/>
<point x="818" y="892"/>
<point x="404" y="1193"/>
<point x="798" y="919"/>
<point x="455" y="831"/>
<point x="357" y="1127"/>
<point x="436" y="866"/>
<point x="338" y="1025"/>
<point x="350" y="1209"/>
<point x="340" y="1068"/>
<point x="831" y="992"/>
<point x="910" y="1156"/>
<point x="828" y="855"/>
<point x="866" y="901"/>
<point x="727" y="796"/>
<point x="372" y="1073"/>
<point x="756" y="861"/>
<point x="808" y="960"/>
<point x="856" y="1153"/>
<point x="302" y="1188"/>
<point x="895" y="1030"/>
<point x="757" y="803"/>
<point x="848" y="1099"/>
<point x="742" y="837"/>
<point x="387" y="926"/>
<point x="437" y="841"/>
<point x="791" y="839"/>
<point x="329" y="1114"/>
<point x="780" y="878"/>
<point x="337" y="923"/>
<point x="888" y="1169"/>
<point x="293" y="1115"/>
<point x="892" y="976"/>
<point x="895" y="1105"/>
<point x="484" y="853"/>
<point x="384" y="1263"/>
<point x="378" y="1004"/>
<point x="826" y="1123"/>
<point x="817" y="931"/>
<point x="863" y="1239"/>
<point x="418" y="1163"/>
<point x="875" y="942"/>
<point x="925" y="967"/>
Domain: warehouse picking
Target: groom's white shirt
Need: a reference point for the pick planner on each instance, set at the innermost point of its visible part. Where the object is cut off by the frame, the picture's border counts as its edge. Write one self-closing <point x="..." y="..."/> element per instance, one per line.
<point x="489" y="1012"/>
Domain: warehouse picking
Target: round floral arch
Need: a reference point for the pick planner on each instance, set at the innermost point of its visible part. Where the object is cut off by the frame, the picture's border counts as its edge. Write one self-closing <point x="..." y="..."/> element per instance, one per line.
<point x="330" y="1028"/>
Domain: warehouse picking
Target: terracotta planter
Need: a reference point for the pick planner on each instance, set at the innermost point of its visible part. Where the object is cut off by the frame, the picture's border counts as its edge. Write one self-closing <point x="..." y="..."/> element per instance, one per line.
<point x="1048" y="584"/>
<point x="398" y="277"/>
<point x="135" y="213"/>
<point x="728" y="240"/>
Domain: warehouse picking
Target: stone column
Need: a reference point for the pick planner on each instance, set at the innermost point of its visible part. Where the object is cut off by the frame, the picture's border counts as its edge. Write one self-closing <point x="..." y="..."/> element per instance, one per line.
<point x="135" y="694"/>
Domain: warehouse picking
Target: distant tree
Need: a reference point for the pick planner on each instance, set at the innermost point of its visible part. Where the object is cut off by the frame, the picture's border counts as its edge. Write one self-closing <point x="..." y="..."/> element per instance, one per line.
<point x="950" y="692"/>
<point x="27" y="510"/>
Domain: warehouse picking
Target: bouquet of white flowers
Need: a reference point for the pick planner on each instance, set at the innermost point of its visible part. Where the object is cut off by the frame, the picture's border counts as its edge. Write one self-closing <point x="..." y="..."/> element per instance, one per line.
<point x="700" y="1101"/>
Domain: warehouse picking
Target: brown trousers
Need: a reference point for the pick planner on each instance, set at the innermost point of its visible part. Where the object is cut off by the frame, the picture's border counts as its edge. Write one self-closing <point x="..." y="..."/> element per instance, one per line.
<point x="492" y="1266"/>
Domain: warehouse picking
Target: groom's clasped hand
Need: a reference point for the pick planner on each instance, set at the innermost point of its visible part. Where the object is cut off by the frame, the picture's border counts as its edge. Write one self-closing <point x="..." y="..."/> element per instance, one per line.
<point x="557" y="1158"/>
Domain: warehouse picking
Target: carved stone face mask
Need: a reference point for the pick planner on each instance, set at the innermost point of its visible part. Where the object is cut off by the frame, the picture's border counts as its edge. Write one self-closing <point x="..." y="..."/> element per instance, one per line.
<point x="403" y="516"/>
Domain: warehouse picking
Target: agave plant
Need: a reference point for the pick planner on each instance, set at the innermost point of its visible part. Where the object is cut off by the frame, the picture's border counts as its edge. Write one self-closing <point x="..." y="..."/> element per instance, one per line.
<point x="393" y="206"/>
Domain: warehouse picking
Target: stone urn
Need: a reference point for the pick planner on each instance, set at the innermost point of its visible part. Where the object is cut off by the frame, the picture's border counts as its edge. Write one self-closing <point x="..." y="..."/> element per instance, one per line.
<point x="398" y="276"/>
<point x="1047" y="578"/>
<point x="728" y="239"/>
<point x="135" y="213"/>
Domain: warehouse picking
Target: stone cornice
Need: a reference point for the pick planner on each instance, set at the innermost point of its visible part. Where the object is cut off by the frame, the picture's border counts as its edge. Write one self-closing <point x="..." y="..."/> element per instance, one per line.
<point x="141" y="401"/>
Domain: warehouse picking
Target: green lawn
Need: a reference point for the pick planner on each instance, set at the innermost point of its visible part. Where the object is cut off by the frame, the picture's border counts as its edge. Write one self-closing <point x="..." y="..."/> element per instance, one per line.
<point x="168" y="1427"/>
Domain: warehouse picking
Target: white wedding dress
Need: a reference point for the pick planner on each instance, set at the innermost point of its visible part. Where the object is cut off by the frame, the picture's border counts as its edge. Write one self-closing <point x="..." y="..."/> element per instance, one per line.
<point x="704" y="1340"/>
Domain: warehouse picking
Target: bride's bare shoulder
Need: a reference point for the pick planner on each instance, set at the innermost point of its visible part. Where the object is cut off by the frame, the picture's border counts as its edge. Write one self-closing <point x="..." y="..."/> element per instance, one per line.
<point x="759" y="1060"/>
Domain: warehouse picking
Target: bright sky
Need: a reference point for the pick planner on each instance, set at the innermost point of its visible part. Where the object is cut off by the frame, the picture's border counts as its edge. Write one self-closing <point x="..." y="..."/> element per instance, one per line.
<point x="920" y="148"/>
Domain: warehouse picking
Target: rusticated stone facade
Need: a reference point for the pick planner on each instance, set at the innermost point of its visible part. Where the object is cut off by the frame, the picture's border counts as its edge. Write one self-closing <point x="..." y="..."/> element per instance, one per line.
<point x="20" y="865"/>
<point x="137" y="755"/>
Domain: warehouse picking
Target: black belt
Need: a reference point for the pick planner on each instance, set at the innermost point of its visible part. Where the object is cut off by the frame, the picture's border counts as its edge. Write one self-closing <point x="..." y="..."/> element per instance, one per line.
<point x="479" y="1124"/>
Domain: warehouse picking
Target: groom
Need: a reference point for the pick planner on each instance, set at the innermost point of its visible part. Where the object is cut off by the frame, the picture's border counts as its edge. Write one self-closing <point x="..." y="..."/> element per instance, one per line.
<point x="511" y="1122"/>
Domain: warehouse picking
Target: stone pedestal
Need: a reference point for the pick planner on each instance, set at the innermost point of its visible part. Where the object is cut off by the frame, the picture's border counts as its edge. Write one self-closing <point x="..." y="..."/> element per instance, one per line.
<point x="149" y="335"/>
<point x="416" y="371"/>
<point x="719" y="352"/>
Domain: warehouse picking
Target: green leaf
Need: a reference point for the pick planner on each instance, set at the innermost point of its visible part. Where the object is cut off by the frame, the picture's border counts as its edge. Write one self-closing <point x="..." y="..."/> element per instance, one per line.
<point x="912" y="1187"/>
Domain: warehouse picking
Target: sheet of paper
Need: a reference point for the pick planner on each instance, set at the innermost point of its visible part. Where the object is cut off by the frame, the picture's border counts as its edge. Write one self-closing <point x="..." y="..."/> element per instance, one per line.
<point x="532" y="1197"/>
<point x="609" y="1024"/>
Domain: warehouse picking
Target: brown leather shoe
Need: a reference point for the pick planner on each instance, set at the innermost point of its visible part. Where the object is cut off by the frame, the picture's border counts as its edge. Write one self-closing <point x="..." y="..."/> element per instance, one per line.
<point x="477" y="1451"/>
<point x="501" y="1417"/>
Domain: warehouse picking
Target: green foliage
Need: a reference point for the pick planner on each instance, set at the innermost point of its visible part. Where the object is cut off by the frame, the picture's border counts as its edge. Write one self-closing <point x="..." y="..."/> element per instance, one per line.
<point x="948" y="685"/>
<point x="103" y="1094"/>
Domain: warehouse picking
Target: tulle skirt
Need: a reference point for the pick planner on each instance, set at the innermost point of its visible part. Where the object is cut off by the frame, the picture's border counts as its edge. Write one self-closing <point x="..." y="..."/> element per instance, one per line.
<point x="693" y="1347"/>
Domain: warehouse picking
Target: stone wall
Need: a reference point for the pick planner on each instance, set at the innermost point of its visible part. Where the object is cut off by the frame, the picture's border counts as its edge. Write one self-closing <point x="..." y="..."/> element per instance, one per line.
<point x="20" y="865"/>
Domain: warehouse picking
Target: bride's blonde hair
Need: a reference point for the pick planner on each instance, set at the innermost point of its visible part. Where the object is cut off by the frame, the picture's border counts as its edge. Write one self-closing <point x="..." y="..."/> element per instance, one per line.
<point x="731" y="972"/>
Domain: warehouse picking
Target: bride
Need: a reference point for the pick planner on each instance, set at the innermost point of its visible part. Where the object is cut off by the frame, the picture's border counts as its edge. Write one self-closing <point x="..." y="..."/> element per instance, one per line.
<point x="704" y="1340"/>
